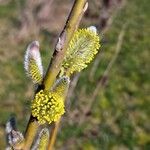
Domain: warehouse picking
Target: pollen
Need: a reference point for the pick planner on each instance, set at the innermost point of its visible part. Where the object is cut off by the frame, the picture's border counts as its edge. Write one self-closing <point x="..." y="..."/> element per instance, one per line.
<point x="34" y="72"/>
<point x="47" y="107"/>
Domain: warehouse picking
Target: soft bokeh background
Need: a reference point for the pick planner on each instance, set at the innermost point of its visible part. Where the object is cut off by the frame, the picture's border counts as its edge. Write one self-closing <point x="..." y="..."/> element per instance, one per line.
<point x="117" y="117"/>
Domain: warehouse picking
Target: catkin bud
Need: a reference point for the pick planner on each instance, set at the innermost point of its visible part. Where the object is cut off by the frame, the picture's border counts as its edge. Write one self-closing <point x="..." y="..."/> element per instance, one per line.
<point x="14" y="138"/>
<point x="42" y="140"/>
<point x="32" y="62"/>
<point x="81" y="51"/>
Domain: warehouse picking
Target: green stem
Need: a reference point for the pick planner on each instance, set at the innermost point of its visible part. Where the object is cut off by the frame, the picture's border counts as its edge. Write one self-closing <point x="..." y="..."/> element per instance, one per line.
<point x="72" y="23"/>
<point x="30" y="133"/>
<point x="53" y="136"/>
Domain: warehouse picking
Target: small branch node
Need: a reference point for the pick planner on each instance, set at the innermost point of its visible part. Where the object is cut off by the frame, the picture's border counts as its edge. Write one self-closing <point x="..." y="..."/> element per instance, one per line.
<point x="61" y="41"/>
<point x="85" y="7"/>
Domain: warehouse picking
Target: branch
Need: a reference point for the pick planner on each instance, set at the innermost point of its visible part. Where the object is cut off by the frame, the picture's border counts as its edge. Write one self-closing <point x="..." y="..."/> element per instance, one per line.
<point x="30" y="133"/>
<point x="72" y="23"/>
<point x="53" y="136"/>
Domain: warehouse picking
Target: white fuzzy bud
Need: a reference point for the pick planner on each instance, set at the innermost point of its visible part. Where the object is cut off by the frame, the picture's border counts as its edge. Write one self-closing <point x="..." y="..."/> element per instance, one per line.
<point x="33" y="63"/>
<point x="93" y="29"/>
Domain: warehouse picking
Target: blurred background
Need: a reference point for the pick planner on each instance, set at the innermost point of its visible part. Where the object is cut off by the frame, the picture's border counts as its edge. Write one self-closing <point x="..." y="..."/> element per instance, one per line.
<point x="108" y="105"/>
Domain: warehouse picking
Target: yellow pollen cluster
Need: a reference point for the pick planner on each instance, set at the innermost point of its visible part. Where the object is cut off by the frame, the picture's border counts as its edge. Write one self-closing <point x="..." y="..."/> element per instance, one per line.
<point x="82" y="48"/>
<point x="34" y="71"/>
<point x="47" y="107"/>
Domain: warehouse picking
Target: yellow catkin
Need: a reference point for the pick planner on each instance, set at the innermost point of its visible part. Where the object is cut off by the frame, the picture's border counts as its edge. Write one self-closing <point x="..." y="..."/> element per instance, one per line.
<point x="49" y="106"/>
<point x="81" y="51"/>
<point x="34" y="71"/>
<point x="32" y="62"/>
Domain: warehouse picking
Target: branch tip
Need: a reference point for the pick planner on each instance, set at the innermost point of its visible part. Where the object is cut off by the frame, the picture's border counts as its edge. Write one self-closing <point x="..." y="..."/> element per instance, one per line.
<point x="85" y="7"/>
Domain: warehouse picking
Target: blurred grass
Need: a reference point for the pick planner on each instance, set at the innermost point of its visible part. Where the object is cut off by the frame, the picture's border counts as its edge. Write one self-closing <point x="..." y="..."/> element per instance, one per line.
<point x="119" y="118"/>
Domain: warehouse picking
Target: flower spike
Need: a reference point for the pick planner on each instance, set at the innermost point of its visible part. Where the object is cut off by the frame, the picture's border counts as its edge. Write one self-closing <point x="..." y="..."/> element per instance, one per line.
<point x="49" y="106"/>
<point x="82" y="48"/>
<point x="32" y="62"/>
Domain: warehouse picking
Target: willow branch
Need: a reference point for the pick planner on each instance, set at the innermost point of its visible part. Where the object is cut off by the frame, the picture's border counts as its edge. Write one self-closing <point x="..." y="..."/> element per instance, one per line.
<point x="30" y="133"/>
<point x="53" y="135"/>
<point x="72" y="23"/>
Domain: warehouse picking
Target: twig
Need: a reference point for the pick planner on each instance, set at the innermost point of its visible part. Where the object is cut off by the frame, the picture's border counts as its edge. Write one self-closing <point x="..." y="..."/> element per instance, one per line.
<point x="95" y="65"/>
<point x="105" y="74"/>
<point x="30" y="132"/>
<point x="54" y="132"/>
<point x="72" y="23"/>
